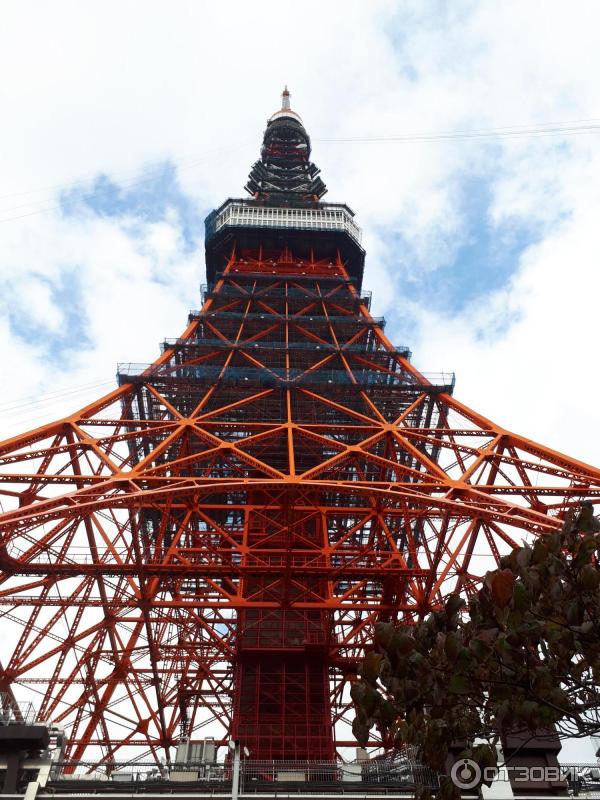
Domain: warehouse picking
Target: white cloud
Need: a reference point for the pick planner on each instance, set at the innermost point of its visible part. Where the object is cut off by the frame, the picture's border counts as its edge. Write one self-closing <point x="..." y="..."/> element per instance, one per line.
<point x="124" y="312"/>
<point x="540" y="373"/>
<point x="114" y="90"/>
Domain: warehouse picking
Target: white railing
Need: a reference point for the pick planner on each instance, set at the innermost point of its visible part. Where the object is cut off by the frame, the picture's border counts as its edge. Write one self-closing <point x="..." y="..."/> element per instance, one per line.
<point x="327" y="218"/>
<point x="15" y="712"/>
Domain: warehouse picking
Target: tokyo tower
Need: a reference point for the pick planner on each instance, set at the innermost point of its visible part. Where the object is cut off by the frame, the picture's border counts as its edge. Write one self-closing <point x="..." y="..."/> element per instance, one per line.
<point x="206" y="549"/>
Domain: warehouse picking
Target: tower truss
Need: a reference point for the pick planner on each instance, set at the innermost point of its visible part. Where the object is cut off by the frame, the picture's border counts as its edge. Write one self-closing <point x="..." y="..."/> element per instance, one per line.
<point x="206" y="549"/>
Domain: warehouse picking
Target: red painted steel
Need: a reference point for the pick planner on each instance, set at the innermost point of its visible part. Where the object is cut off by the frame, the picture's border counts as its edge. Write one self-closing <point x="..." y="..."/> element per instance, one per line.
<point x="206" y="549"/>
<point x="221" y="532"/>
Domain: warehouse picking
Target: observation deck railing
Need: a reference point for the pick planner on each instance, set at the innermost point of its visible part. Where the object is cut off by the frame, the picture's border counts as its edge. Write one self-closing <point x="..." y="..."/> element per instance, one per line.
<point x="15" y="712"/>
<point x="267" y="376"/>
<point x="291" y="293"/>
<point x="247" y="213"/>
<point x="298" y="277"/>
<point x="356" y="319"/>
<point x="219" y="344"/>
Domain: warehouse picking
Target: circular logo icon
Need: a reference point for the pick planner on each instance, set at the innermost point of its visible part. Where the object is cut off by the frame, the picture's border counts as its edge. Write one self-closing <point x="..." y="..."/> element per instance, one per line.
<point x="465" y="773"/>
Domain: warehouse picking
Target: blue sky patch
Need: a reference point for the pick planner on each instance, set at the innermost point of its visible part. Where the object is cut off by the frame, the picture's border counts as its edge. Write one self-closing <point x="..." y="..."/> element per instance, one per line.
<point x="479" y="261"/>
<point x="149" y="198"/>
<point x="473" y="264"/>
<point x="66" y="294"/>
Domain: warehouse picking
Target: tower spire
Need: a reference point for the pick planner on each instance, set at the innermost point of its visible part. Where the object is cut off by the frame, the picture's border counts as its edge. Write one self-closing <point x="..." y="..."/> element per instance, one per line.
<point x="285" y="175"/>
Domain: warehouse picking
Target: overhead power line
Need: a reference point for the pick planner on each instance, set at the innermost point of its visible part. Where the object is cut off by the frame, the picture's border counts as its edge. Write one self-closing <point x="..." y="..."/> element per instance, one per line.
<point x="44" y="205"/>
<point x="546" y="129"/>
<point x="52" y="397"/>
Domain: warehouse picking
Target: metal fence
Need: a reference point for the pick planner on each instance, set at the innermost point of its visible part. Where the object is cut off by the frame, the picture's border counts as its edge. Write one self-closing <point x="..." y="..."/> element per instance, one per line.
<point x="13" y="712"/>
<point x="255" y="776"/>
<point x="400" y="773"/>
<point x="268" y="376"/>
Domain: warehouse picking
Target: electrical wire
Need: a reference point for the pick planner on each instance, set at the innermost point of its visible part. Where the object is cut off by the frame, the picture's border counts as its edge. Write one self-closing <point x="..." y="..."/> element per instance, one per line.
<point x="50" y="398"/>
<point x="181" y="162"/>
<point x="546" y="129"/>
<point x="182" y="166"/>
<point x="589" y="125"/>
<point x="61" y="187"/>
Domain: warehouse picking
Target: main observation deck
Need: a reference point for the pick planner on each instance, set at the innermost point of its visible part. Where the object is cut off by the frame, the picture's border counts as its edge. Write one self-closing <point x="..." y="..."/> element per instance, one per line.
<point x="252" y="223"/>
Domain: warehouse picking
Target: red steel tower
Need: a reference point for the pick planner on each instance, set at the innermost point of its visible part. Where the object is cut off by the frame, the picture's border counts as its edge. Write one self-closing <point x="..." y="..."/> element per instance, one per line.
<point x="206" y="549"/>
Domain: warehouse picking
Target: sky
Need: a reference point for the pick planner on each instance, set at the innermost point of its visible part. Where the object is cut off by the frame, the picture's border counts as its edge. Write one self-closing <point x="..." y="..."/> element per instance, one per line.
<point x="123" y="124"/>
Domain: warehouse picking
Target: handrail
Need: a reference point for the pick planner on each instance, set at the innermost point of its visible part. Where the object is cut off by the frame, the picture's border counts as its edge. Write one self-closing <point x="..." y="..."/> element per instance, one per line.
<point x="238" y="213"/>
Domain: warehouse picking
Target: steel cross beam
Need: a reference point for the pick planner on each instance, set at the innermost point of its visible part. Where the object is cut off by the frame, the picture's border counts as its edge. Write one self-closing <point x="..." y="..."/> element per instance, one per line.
<point x="281" y="467"/>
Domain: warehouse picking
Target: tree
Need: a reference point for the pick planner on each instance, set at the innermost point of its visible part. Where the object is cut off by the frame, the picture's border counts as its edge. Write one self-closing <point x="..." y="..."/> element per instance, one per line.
<point x="524" y="655"/>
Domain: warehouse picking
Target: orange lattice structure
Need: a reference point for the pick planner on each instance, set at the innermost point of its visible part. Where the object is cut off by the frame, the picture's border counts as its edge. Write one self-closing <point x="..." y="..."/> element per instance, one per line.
<point x="206" y="549"/>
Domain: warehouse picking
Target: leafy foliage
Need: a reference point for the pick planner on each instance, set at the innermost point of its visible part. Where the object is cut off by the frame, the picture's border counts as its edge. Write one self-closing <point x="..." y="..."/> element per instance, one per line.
<point x="523" y="656"/>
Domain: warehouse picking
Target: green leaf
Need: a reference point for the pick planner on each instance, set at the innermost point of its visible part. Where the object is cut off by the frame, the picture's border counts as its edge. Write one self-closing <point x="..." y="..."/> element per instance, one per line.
<point x="528" y="711"/>
<point x="371" y="701"/>
<point x="459" y="684"/>
<point x="387" y="712"/>
<point x="357" y="692"/>
<point x="523" y="557"/>
<point x="585" y="519"/>
<point x="452" y="646"/>
<point x="370" y="666"/>
<point x="540" y="551"/>
<point x="589" y="578"/>
<point x="522" y="598"/>
<point x="383" y="633"/>
<point x="454" y="604"/>
<point x="554" y="543"/>
<point x="574" y="612"/>
<point x="361" y="731"/>
<point x="448" y="789"/>
<point x="486" y="756"/>
<point x="402" y="643"/>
